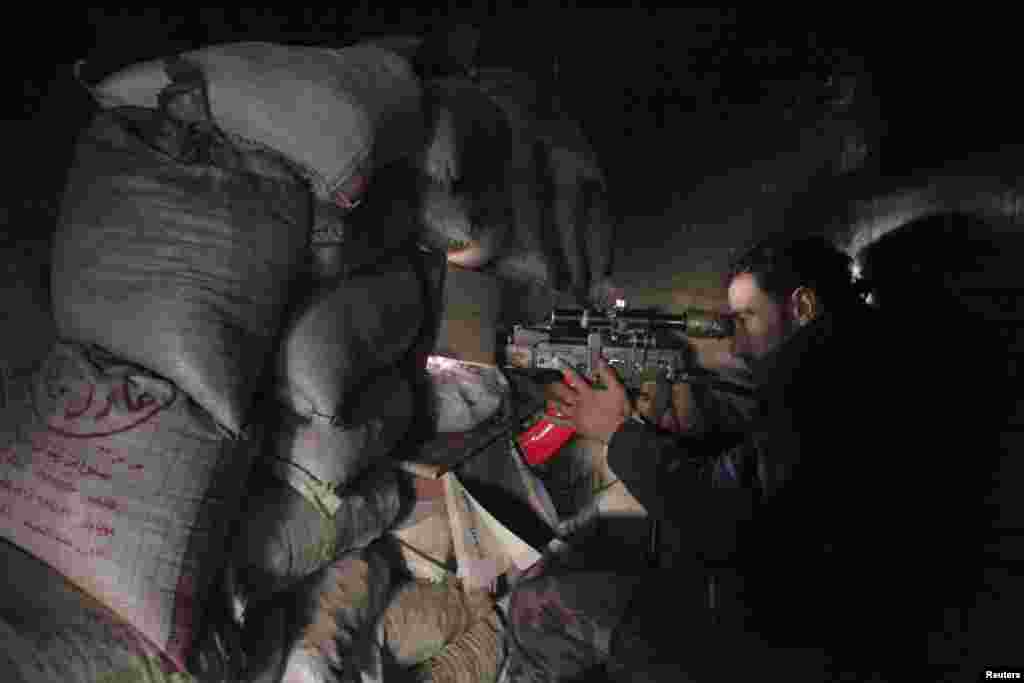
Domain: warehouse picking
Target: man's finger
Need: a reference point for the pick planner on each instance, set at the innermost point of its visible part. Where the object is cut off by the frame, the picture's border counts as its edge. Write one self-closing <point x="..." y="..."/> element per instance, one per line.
<point x="561" y="392"/>
<point x="571" y="378"/>
<point x="606" y="373"/>
<point x="566" y="412"/>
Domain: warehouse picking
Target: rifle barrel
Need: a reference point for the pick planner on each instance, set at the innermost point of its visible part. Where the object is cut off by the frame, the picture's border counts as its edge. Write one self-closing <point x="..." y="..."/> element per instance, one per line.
<point x="693" y="323"/>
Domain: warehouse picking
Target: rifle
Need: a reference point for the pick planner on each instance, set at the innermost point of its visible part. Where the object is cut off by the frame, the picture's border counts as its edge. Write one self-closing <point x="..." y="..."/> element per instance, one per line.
<point x="640" y="345"/>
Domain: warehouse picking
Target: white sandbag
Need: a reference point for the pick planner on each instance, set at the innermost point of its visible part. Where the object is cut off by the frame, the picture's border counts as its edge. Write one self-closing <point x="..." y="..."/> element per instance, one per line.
<point x="335" y="113"/>
<point x="347" y="330"/>
<point x="467" y="393"/>
<point x="175" y="250"/>
<point x="115" y="479"/>
<point x="328" y="497"/>
<point x="334" y="454"/>
<point x="52" y="631"/>
<point x="284" y="537"/>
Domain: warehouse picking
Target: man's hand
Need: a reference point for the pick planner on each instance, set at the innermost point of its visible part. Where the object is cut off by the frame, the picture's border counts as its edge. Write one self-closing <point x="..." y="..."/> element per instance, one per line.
<point x="595" y="413"/>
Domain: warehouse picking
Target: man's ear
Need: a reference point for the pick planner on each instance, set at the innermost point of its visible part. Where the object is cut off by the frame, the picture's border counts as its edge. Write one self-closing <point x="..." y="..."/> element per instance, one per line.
<point x="804" y="305"/>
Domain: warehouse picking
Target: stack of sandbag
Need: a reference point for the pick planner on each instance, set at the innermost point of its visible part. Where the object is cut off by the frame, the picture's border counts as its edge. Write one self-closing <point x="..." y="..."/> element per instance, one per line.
<point x="184" y="232"/>
<point x="345" y="399"/>
<point x="343" y="388"/>
<point x="126" y="453"/>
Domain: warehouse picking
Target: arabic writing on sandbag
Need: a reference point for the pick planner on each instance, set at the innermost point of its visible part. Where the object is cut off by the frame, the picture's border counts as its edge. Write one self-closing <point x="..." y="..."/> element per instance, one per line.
<point x="52" y="493"/>
<point x="78" y="407"/>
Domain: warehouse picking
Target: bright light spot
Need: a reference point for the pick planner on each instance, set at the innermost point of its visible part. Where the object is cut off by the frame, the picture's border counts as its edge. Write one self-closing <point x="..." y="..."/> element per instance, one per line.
<point x="441" y="363"/>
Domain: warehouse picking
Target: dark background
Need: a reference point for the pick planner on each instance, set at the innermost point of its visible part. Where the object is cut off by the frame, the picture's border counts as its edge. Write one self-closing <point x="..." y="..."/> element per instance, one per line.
<point x="651" y="87"/>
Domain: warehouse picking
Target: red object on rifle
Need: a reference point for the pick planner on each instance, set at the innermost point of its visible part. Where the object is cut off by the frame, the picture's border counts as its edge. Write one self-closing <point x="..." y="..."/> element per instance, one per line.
<point x="545" y="438"/>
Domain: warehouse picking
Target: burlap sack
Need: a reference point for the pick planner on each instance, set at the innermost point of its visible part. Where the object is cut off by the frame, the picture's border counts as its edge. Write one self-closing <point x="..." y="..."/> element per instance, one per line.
<point x="176" y="250"/>
<point x="336" y="114"/>
<point x="113" y="477"/>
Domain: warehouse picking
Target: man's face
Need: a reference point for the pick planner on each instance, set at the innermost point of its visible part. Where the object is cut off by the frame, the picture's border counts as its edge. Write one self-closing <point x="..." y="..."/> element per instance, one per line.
<point x="762" y="324"/>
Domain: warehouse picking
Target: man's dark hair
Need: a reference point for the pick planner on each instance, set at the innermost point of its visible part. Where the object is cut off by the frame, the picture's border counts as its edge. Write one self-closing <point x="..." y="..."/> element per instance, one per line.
<point x="781" y="264"/>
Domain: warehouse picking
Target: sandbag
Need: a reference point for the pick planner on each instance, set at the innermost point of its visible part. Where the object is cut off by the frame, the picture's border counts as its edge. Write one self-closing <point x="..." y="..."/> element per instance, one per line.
<point x="323" y="628"/>
<point x="175" y="250"/>
<point x="346" y="330"/>
<point x="317" y="450"/>
<point x="467" y="208"/>
<point x="478" y="655"/>
<point x="467" y="393"/>
<point x="423" y="617"/>
<point x="579" y="215"/>
<point x="52" y="631"/>
<point x="529" y="252"/>
<point x="284" y="538"/>
<point x="111" y="476"/>
<point x="337" y="114"/>
<point x="319" y="505"/>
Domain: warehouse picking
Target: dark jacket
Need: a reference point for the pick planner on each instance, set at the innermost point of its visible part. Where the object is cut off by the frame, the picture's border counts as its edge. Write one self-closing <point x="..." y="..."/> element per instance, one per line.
<point x="819" y="507"/>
